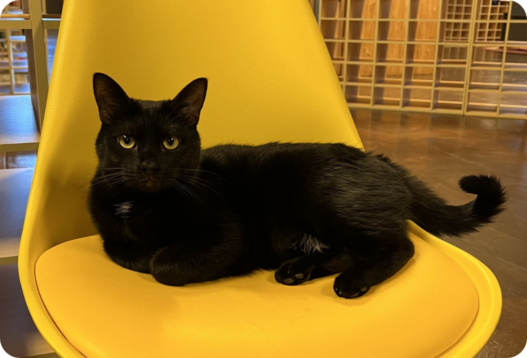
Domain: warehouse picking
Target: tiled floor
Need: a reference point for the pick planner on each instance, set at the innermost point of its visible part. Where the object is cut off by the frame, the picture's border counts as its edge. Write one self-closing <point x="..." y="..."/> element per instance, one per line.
<point x="442" y="149"/>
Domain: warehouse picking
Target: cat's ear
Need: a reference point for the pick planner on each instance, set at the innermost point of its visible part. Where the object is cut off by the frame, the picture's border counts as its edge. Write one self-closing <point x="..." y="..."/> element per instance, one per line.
<point x="188" y="103"/>
<point x="110" y="97"/>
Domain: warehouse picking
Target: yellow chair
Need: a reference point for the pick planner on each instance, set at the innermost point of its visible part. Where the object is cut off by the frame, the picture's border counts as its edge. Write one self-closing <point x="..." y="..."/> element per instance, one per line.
<point x="270" y="79"/>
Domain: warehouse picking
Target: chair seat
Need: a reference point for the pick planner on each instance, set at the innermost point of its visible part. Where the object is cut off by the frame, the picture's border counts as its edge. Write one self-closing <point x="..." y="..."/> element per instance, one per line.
<point x="104" y="310"/>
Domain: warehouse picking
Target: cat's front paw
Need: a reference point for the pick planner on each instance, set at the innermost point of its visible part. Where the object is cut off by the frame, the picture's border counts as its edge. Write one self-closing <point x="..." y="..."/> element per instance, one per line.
<point x="294" y="272"/>
<point x="165" y="270"/>
<point x="347" y="286"/>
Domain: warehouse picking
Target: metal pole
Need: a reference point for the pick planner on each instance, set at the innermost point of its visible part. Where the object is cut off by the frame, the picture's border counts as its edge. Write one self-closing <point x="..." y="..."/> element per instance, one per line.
<point x="317" y="10"/>
<point x="36" y="58"/>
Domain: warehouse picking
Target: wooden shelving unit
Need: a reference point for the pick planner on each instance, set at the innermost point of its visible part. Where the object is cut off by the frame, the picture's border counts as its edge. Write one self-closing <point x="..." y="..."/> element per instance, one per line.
<point x="20" y="104"/>
<point x="447" y="56"/>
<point x="18" y="127"/>
<point x="23" y="92"/>
<point x="14" y="78"/>
<point x="23" y="75"/>
<point x="23" y="53"/>
<point x="13" y="63"/>
<point x="490" y="20"/>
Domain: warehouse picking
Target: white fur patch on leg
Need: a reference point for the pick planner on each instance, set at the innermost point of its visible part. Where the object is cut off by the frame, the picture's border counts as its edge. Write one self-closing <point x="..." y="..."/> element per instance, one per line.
<point x="309" y="244"/>
<point x="123" y="210"/>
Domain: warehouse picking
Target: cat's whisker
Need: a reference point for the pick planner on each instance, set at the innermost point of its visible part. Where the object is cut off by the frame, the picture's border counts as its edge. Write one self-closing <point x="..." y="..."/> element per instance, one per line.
<point x="112" y="180"/>
<point x="105" y="180"/>
<point x="191" y="193"/>
<point x="200" y="183"/>
<point x="175" y="185"/>
<point x="103" y="176"/>
<point x="95" y="168"/>
<point x="181" y="191"/>
<point x="198" y="171"/>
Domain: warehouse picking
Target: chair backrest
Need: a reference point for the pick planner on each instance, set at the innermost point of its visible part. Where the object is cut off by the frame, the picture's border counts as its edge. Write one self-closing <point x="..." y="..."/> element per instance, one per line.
<point x="270" y="79"/>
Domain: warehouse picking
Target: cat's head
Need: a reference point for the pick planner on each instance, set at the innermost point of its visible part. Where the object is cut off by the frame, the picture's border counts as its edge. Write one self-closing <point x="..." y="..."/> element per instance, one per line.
<point x="147" y="145"/>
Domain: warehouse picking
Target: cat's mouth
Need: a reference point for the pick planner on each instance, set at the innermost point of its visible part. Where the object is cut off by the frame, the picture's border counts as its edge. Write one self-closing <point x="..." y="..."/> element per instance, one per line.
<point x="150" y="184"/>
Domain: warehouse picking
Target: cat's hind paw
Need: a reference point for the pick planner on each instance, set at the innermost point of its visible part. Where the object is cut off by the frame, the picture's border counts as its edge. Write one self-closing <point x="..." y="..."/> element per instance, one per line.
<point x="348" y="288"/>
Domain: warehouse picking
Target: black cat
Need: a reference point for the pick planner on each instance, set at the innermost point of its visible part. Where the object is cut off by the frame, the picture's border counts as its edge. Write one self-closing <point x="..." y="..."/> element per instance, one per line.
<point x="166" y="207"/>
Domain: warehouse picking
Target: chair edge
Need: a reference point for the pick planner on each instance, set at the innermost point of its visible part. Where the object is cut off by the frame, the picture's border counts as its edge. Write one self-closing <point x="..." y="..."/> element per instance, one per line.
<point x="489" y="294"/>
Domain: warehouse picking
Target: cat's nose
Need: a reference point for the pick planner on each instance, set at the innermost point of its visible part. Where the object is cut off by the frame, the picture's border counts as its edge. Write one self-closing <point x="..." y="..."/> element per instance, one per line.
<point x="149" y="166"/>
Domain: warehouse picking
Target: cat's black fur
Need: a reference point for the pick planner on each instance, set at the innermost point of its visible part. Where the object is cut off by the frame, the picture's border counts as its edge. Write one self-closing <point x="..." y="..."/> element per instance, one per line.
<point x="189" y="215"/>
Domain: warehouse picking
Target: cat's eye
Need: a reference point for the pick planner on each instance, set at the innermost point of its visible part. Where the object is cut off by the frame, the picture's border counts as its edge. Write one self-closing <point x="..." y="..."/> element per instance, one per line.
<point x="127" y="141"/>
<point x="171" y="143"/>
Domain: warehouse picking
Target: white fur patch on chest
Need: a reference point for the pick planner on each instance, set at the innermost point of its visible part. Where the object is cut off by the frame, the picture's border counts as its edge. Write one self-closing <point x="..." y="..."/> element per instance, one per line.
<point x="123" y="210"/>
<point x="309" y="244"/>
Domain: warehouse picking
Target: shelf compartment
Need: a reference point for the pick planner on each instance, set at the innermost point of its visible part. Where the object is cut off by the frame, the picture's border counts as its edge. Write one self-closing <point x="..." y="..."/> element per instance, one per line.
<point x="361" y="30"/>
<point x="513" y="103"/>
<point x="387" y="96"/>
<point x="418" y="98"/>
<point x="486" y="56"/>
<point x="333" y="9"/>
<point x="333" y="29"/>
<point x="393" y="9"/>
<point x="361" y="51"/>
<point x="428" y="12"/>
<point x="391" y="31"/>
<point x="450" y="77"/>
<point x="485" y="79"/>
<point x="448" y="99"/>
<point x="419" y="76"/>
<point x="482" y="101"/>
<point x="358" y="94"/>
<point x="339" y="69"/>
<point x="421" y="54"/>
<point x="453" y="55"/>
<point x="389" y="74"/>
<point x="422" y="31"/>
<point x="514" y="81"/>
<point x="363" y="9"/>
<point x="13" y="62"/>
<point x="5" y="82"/>
<point x="513" y="110"/>
<point x="336" y="50"/>
<point x="390" y="53"/>
<point x="18" y="126"/>
<point x="516" y="55"/>
<point x="359" y="74"/>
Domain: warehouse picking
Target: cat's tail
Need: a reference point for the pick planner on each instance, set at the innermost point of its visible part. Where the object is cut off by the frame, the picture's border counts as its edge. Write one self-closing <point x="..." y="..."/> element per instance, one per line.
<point x="435" y="216"/>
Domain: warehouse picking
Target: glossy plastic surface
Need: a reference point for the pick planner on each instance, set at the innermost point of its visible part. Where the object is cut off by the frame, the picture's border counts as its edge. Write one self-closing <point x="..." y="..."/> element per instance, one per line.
<point x="98" y="306"/>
